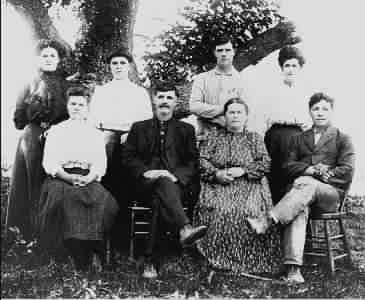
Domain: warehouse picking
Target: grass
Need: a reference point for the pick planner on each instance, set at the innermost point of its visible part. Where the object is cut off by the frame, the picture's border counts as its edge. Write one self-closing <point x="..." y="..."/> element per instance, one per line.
<point x="182" y="275"/>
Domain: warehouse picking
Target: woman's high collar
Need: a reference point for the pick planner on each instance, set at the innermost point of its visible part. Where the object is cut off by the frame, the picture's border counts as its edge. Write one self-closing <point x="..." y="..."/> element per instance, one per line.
<point x="49" y="74"/>
<point x="240" y="132"/>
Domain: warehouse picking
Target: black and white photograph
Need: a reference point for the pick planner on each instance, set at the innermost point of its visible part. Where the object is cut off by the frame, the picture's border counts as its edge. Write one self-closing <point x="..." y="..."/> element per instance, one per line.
<point x="182" y="149"/>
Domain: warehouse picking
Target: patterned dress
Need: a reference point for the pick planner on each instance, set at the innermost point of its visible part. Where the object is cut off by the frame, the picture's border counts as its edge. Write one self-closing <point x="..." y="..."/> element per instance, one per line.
<point x="230" y="244"/>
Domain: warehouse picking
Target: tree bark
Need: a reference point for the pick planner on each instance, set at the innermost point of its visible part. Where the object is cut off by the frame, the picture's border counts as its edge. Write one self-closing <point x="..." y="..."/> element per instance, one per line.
<point x="37" y="14"/>
<point x="273" y="39"/>
<point x="110" y="26"/>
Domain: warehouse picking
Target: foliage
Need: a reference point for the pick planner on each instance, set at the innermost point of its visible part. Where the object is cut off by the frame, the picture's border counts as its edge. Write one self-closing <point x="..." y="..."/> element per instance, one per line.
<point x="13" y="247"/>
<point x="186" y="48"/>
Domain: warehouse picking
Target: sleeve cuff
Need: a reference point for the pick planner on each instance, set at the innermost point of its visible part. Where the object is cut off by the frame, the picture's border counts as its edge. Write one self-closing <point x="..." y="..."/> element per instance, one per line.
<point x="54" y="172"/>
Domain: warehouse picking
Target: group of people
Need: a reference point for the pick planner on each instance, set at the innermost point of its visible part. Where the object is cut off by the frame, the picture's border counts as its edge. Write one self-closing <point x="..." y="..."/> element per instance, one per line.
<point x="251" y="194"/>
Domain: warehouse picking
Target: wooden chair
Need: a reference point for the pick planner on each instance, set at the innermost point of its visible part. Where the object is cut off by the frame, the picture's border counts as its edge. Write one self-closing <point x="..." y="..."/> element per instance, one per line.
<point x="323" y="245"/>
<point x="141" y="215"/>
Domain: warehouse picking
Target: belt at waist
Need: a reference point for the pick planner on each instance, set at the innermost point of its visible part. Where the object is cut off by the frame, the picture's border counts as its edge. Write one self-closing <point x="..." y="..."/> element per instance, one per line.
<point x="78" y="171"/>
<point x="285" y="124"/>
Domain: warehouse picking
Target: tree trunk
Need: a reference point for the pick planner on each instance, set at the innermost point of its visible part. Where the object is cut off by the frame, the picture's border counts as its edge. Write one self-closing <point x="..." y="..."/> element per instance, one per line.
<point x="37" y="14"/>
<point x="110" y="26"/>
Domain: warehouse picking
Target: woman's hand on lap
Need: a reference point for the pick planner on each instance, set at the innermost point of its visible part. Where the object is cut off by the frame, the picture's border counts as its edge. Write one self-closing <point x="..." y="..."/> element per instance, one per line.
<point x="236" y="172"/>
<point x="223" y="177"/>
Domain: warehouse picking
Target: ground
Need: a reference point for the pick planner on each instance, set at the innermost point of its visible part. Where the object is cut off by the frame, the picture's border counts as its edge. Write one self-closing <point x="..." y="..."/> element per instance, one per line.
<point x="182" y="275"/>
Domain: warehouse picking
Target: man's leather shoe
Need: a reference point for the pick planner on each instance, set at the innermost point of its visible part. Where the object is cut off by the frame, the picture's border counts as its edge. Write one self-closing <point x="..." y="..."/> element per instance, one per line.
<point x="189" y="234"/>
<point x="149" y="271"/>
<point x="259" y="225"/>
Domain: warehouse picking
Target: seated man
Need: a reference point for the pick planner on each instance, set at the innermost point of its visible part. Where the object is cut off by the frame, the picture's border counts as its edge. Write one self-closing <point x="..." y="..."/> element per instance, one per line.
<point x="161" y="156"/>
<point x="321" y="166"/>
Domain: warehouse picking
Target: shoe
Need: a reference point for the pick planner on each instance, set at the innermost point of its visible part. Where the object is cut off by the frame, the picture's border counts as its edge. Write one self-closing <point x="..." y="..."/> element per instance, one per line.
<point x="259" y="225"/>
<point x="189" y="234"/>
<point x="294" y="275"/>
<point x="149" y="271"/>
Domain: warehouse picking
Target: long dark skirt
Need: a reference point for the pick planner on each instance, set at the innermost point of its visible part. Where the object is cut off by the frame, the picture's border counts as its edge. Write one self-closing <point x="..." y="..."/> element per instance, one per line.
<point x="26" y="181"/>
<point x="277" y="141"/>
<point x="70" y="212"/>
<point x="116" y="182"/>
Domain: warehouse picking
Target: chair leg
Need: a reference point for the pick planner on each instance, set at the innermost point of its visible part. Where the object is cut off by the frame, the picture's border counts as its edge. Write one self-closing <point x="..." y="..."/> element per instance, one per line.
<point x="309" y="242"/>
<point x="132" y="235"/>
<point x="331" y="261"/>
<point x="346" y="243"/>
<point x="108" y="251"/>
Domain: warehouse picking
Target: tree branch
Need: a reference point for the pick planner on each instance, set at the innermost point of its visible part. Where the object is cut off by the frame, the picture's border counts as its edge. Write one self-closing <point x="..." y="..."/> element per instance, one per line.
<point x="275" y="38"/>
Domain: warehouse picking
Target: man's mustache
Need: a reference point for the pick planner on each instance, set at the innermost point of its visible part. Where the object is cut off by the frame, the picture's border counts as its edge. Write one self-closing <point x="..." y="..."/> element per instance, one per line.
<point x="164" y="105"/>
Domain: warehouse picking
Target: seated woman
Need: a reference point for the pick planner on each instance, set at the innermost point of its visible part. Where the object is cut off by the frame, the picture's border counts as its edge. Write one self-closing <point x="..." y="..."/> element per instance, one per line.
<point x="75" y="209"/>
<point x="234" y="163"/>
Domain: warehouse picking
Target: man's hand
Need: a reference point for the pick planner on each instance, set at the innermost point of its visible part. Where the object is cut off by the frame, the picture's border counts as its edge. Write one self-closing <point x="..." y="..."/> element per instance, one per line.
<point x="326" y="176"/>
<point x="236" y="172"/>
<point x="321" y="168"/>
<point x="223" y="177"/>
<point x="165" y="173"/>
<point x="154" y="174"/>
<point x="311" y="171"/>
<point x="320" y="171"/>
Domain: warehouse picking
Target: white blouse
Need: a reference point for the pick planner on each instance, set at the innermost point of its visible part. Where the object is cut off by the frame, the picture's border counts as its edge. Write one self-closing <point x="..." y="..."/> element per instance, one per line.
<point x="280" y="104"/>
<point x="73" y="143"/>
<point x="119" y="103"/>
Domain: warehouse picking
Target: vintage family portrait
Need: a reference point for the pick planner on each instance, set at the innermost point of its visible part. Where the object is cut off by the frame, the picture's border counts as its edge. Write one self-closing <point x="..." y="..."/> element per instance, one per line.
<point x="182" y="149"/>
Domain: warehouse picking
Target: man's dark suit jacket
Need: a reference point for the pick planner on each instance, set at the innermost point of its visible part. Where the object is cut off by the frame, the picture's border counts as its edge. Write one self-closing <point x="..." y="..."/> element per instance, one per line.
<point x="180" y="146"/>
<point x="334" y="148"/>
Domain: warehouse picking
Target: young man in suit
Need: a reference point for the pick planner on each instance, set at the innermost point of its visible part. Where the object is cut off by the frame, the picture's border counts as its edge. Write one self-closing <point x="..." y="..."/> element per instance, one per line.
<point x="161" y="156"/>
<point x="320" y="166"/>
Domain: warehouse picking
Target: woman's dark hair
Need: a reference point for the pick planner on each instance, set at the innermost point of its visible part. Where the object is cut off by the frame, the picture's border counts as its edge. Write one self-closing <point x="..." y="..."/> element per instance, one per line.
<point x="119" y="53"/>
<point x="318" y="97"/>
<point x="46" y="43"/>
<point x="235" y="100"/>
<point x="79" y="91"/>
<point x="290" y="52"/>
<point x="165" y="87"/>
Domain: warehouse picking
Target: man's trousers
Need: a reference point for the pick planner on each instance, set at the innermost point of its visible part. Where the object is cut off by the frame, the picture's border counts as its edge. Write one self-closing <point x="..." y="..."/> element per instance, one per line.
<point x="293" y="210"/>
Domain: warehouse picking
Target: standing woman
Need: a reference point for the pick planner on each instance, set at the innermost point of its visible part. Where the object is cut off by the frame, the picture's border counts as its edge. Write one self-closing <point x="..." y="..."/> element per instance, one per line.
<point x="115" y="106"/>
<point x="286" y="116"/>
<point x="41" y="104"/>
